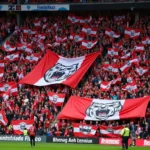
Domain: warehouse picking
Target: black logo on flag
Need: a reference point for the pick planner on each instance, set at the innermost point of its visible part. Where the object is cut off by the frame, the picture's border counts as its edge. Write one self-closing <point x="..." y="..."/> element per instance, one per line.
<point x="85" y="129"/>
<point x="6" y="87"/>
<point x="76" y="38"/>
<point x="60" y="72"/>
<point x="132" y="33"/>
<point x="102" y="111"/>
<point x="22" y="126"/>
<point x="55" y="99"/>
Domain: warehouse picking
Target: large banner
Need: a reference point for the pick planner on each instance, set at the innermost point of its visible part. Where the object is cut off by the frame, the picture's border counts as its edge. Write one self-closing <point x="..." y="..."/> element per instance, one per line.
<point x="20" y="125"/>
<point x="81" y="130"/>
<point x="54" y="69"/>
<point x="111" y="132"/>
<point x="98" y="109"/>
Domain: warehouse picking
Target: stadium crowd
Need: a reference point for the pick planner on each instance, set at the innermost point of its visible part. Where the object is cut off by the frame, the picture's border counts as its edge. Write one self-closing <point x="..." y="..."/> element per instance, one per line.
<point x="54" y="32"/>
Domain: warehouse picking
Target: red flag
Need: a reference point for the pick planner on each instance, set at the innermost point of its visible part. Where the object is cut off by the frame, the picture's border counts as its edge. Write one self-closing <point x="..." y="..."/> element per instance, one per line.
<point x="1" y="73"/>
<point x="113" y="52"/>
<point x="129" y="64"/>
<point x="130" y="87"/>
<point x="73" y="19"/>
<point x="98" y="109"/>
<point x="110" y="68"/>
<point x="55" y="69"/>
<point x="81" y="130"/>
<point x="131" y="33"/>
<point x="116" y="81"/>
<point x="89" y="31"/>
<point x="12" y="57"/>
<point x="141" y="70"/>
<point x="105" y="85"/>
<point x="88" y="44"/>
<point x="139" y="48"/>
<point x="32" y="58"/>
<point x="20" y="125"/>
<point x="146" y="40"/>
<point x="86" y="20"/>
<point x="111" y="132"/>
<point x="3" y="118"/>
<point x="25" y="48"/>
<point x="56" y="99"/>
<point x="2" y="64"/>
<point x="37" y="23"/>
<point x="76" y="37"/>
<point x="8" y="47"/>
<point x="110" y="33"/>
<point x="126" y="56"/>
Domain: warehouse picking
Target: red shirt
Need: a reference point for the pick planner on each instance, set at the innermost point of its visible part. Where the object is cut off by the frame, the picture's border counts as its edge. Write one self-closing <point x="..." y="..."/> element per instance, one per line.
<point x="32" y="131"/>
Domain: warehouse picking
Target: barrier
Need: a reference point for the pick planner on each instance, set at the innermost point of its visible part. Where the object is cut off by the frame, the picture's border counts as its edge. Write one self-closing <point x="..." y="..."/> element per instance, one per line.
<point x="21" y="138"/>
<point x="77" y="140"/>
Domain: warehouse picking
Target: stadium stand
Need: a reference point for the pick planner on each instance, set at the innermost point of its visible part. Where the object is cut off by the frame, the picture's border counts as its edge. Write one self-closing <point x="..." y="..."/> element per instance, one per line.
<point x="55" y="33"/>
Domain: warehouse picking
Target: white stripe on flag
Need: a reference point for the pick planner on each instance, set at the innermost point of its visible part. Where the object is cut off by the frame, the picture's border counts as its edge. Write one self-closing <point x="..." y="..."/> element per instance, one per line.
<point x="107" y="132"/>
<point x="78" y="130"/>
<point x="17" y="127"/>
<point x="100" y="102"/>
<point x="63" y="61"/>
<point x="59" y="100"/>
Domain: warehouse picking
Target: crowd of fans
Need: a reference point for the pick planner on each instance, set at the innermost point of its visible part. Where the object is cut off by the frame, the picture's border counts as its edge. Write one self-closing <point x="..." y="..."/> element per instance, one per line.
<point x="7" y="26"/>
<point x="33" y="102"/>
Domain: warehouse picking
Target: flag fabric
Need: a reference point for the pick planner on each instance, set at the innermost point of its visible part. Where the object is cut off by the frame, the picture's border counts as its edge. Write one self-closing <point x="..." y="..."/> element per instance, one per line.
<point x="8" y="47"/>
<point x="89" y="31"/>
<point x="1" y="73"/>
<point x="85" y="20"/>
<point x="88" y="44"/>
<point x="132" y="33"/>
<point x="4" y="87"/>
<point x="73" y="19"/>
<point x="130" y="87"/>
<point x="32" y="58"/>
<point x="105" y="85"/>
<point x="76" y="37"/>
<point x="37" y="23"/>
<point x="110" y="68"/>
<point x="111" y="132"/>
<point x="41" y="45"/>
<point x="126" y="56"/>
<point x="146" y="40"/>
<point x="110" y="33"/>
<point x="129" y="64"/>
<point x="113" y="52"/>
<point x="3" y="118"/>
<point x="141" y="70"/>
<point x="55" y="69"/>
<point x="24" y="48"/>
<point x="12" y="57"/>
<point x="81" y="130"/>
<point x="56" y="99"/>
<point x="20" y="125"/>
<point x="2" y="64"/>
<point x="116" y="81"/>
<point x="139" y="48"/>
<point x="102" y="109"/>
